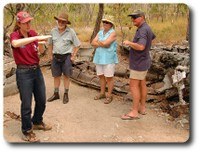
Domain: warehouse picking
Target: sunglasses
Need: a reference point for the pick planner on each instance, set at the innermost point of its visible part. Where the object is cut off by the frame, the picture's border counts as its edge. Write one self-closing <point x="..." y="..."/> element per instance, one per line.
<point x="106" y="22"/>
<point x="135" y="17"/>
<point x="61" y="22"/>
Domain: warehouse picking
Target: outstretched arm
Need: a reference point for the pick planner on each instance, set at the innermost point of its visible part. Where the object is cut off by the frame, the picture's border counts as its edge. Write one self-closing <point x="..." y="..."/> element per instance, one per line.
<point x="25" y="41"/>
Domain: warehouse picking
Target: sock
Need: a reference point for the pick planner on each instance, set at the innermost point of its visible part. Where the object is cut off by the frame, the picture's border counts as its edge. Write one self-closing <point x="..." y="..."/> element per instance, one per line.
<point x="66" y="90"/>
<point x="56" y="89"/>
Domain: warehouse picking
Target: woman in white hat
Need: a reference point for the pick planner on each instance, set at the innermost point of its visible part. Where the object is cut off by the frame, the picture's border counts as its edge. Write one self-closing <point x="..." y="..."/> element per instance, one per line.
<point x="105" y="58"/>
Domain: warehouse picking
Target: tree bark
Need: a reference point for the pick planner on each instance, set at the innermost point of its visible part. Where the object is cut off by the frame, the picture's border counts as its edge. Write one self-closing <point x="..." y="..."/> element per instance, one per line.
<point x="188" y="27"/>
<point x="98" y="22"/>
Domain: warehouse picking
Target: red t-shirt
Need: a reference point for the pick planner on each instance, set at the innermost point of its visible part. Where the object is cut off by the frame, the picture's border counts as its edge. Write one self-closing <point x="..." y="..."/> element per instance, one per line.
<point x="27" y="54"/>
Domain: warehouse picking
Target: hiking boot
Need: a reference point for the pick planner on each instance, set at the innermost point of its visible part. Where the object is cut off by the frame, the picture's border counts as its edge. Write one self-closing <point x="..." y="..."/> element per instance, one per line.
<point x="42" y="126"/>
<point x="54" y="97"/>
<point x="65" y="98"/>
<point x="30" y="136"/>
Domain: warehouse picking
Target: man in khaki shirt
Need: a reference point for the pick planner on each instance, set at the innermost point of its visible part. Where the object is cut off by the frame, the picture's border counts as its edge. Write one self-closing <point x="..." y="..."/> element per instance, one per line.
<point x="63" y="47"/>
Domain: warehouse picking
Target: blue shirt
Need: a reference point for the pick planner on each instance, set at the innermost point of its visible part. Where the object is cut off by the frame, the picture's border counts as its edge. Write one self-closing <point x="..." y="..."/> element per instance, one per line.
<point x="64" y="42"/>
<point x="106" y="55"/>
<point x="140" y="60"/>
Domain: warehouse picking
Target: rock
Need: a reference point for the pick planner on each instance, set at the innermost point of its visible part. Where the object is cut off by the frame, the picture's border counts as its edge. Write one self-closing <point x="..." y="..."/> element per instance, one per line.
<point x="165" y="107"/>
<point x="10" y="89"/>
<point x="9" y="66"/>
<point x="171" y="94"/>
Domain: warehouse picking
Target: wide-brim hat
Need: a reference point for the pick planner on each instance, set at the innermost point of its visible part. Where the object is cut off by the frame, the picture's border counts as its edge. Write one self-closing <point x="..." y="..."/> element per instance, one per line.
<point x="137" y="13"/>
<point x="109" y="19"/>
<point x="62" y="17"/>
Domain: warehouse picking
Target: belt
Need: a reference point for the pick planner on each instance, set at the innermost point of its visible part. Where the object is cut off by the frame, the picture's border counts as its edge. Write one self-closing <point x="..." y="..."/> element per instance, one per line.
<point x="28" y="66"/>
<point x="56" y="54"/>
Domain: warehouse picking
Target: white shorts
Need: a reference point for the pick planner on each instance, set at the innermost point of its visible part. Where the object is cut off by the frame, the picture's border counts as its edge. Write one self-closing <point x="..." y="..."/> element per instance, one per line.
<point x="107" y="70"/>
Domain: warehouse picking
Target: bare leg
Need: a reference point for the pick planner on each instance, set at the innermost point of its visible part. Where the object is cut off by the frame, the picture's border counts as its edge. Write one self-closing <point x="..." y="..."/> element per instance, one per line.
<point x="143" y="90"/>
<point x="56" y="82"/>
<point x="102" y="84"/>
<point x="135" y="90"/>
<point x="110" y="83"/>
<point x="66" y="82"/>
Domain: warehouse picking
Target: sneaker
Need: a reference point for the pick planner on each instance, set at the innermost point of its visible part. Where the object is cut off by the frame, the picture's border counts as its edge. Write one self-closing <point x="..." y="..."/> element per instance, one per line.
<point x="42" y="126"/>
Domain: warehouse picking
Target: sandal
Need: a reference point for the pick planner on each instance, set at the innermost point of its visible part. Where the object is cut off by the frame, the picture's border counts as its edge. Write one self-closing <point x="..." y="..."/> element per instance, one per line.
<point x="142" y="113"/>
<point x="100" y="96"/>
<point x="128" y="117"/>
<point x="30" y="137"/>
<point x="108" y="100"/>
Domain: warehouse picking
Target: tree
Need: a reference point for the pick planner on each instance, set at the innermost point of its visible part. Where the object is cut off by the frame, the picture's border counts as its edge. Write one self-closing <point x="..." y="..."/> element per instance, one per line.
<point x="188" y="27"/>
<point x="13" y="10"/>
<point x="98" y="21"/>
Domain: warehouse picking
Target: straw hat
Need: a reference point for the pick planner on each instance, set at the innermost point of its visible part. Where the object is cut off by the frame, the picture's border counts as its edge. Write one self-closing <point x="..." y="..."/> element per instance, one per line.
<point x="109" y="19"/>
<point x="63" y="17"/>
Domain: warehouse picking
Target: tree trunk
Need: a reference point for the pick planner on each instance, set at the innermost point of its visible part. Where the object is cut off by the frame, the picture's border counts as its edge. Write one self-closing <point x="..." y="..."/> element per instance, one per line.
<point x="98" y="22"/>
<point x="188" y="27"/>
<point x="13" y="12"/>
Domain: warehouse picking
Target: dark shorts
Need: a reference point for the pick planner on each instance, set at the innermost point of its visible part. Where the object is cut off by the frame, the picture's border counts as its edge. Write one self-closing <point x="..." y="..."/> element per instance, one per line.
<point x="58" y="68"/>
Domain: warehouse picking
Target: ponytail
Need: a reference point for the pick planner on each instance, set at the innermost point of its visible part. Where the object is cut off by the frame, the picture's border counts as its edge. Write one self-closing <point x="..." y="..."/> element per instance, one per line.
<point x="16" y="27"/>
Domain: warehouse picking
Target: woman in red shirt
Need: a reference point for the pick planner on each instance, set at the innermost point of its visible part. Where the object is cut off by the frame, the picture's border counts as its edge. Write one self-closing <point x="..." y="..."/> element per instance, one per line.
<point x="29" y="77"/>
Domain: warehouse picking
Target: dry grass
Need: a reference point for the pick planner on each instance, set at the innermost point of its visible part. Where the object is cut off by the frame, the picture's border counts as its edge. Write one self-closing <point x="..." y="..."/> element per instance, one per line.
<point x="84" y="33"/>
<point x="170" y="31"/>
<point x="166" y="32"/>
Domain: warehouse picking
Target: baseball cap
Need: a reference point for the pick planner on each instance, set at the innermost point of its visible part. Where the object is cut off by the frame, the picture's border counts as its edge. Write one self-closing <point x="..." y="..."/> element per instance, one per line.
<point x="23" y="17"/>
<point x="137" y="13"/>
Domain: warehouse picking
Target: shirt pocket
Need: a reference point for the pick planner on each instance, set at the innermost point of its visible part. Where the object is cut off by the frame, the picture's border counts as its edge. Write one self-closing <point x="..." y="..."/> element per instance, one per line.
<point x="136" y="39"/>
<point x="55" y="39"/>
<point x="66" y="41"/>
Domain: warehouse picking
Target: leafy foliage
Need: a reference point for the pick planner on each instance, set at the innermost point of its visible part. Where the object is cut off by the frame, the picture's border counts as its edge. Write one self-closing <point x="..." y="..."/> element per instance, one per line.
<point x="169" y="21"/>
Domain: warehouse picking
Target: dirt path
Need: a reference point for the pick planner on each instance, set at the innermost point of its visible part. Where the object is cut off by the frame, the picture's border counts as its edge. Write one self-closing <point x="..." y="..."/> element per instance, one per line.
<point x="86" y="120"/>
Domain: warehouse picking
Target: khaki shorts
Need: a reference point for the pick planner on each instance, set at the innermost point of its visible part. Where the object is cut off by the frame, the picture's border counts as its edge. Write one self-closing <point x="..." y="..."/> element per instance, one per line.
<point x="138" y="75"/>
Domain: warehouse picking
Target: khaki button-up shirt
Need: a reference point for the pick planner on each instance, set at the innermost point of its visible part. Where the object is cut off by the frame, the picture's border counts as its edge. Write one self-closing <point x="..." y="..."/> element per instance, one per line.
<point x="64" y="42"/>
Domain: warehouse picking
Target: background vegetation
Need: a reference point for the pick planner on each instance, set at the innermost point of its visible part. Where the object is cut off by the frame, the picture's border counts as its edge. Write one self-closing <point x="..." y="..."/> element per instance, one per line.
<point x="168" y="21"/>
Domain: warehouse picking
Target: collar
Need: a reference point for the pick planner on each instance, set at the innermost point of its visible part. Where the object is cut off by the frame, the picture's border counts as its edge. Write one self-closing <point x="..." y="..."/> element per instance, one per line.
<point x="109" y="31"/>
<point x="142" y="24"/>
<point x="66" y="29"/>
<point x="21" y="35"/>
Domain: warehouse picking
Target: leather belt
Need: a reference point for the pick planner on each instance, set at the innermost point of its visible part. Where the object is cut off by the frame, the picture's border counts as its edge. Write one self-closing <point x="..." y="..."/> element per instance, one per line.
<point x="28" y="66"/>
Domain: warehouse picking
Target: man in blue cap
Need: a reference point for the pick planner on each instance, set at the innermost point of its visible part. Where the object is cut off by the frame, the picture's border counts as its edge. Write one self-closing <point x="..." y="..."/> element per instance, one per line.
<point x="139" y="63"/>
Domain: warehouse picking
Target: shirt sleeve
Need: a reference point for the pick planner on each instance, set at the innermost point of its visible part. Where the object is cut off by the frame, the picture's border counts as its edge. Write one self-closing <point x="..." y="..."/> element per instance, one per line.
<point x="75" y="40"/>
<point x="50" y="40"/>
<point x="13" y="36"/>
<point x="142" y="37"/>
